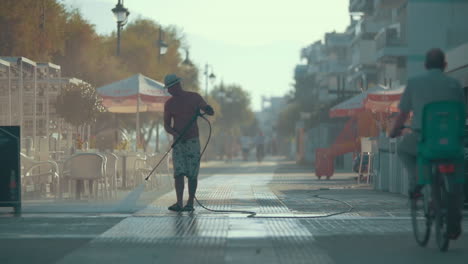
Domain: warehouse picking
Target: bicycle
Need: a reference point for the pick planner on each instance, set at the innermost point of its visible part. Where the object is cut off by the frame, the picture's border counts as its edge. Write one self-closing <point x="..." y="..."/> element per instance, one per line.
<point x="440" y="162"/>
<point x="436" y="202"/>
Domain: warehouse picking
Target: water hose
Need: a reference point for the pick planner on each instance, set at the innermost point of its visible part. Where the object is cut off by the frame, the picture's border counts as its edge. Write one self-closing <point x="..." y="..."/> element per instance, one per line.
<point x="249" y="213"/>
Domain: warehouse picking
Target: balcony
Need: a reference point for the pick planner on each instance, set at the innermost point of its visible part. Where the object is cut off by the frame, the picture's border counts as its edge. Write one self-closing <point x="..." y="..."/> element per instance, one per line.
<point x="313" y="53"/>
<point x="334" y="67"/>
<point x="313" y="69"/>
<point x="367" y="28"/>
<point x="380" y="4"/>
<point x="300" y="71"/>
<point x="390" y="43"/>
<point x="361" y="6"/>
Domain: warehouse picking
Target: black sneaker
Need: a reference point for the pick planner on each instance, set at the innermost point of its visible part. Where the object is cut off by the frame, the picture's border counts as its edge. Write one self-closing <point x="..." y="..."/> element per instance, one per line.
<point x="188" y="208"/>
<point x="455" y="233"/>
<point x="175" y="207"/>
<point x="416" y="192"/>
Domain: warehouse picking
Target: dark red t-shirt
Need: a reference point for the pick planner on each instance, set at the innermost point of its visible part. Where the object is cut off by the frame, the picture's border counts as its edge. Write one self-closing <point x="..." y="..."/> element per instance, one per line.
<point x="181" y="109"/>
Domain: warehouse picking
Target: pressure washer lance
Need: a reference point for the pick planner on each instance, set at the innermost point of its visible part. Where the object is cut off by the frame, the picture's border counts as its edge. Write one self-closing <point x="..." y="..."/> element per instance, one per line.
<point x="250" y="213"/>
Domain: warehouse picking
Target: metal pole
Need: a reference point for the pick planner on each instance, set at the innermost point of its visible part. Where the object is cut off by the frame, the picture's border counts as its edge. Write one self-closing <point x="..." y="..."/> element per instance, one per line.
<point x="157" y="137"/>
<point x="116" y="131"/>
<point x="89" y="137"/>
<point x="118" y="38"/>
<point x="35" y="108"/>
<point x="20" y="99"/>
<point x="59" y="139"/>
<point x="138" y="121"/>
<point x="10" y="105"/>
<point x="57" y="119"/>
<point x="159" y="44"/>
<point x="206" y="80"/>
<point x="47" y="104"/>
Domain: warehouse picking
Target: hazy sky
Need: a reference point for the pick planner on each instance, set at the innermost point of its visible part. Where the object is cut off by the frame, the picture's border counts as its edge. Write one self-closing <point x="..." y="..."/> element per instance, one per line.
<point x="254" y="43"/>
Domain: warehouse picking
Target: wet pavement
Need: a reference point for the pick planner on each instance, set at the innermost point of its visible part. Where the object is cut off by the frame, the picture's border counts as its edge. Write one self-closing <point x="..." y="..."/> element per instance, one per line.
<point x="377" y="230"/>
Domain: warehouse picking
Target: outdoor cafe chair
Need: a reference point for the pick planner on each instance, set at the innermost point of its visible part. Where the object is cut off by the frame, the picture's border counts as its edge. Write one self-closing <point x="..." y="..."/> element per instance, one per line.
<point x="141" y="169"/>
<point x="39" y="175"/>
<point x="144" y="166"/>
<point x="89" y="167"/>
<point x="111" y="172"/>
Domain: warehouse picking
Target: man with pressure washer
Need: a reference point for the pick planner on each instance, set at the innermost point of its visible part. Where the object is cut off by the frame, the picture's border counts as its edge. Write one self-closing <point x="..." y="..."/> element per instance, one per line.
<point x="180" y="114"/>
<point x="420" y="91"/>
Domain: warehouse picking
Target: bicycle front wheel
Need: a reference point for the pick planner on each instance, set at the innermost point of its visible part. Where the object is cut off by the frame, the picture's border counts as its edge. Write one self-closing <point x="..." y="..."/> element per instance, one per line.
<point x="421" y="216"/>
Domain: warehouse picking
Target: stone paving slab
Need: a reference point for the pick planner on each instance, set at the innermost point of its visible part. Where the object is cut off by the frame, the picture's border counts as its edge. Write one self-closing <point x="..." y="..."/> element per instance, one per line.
<point x="155" y="235"/>
<point x="226" y="239"/>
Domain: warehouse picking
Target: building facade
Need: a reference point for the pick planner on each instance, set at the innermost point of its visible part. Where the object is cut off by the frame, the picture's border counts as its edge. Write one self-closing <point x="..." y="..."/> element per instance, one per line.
<point x="384" y="44"/>
<point x="28" y="95"/>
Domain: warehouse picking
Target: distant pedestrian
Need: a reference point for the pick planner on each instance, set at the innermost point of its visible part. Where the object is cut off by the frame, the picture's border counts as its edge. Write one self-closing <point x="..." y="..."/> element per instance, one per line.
<point x="245" y="146"/>
<point x="260" y="146"/>
<point x="179" y="111"/>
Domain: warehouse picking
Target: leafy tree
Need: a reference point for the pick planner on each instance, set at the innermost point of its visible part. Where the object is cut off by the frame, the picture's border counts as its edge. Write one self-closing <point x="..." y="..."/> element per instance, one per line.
<point x="234" y="116"/>
<point x="79" y="104"/>
<point x="24" y="31"/>
<point x="235" y="107"/>
<point x="85" y="56"/>
<point x="286" y="122"/>
<point x="140" y="54"/>
<point x="67" y="39"/>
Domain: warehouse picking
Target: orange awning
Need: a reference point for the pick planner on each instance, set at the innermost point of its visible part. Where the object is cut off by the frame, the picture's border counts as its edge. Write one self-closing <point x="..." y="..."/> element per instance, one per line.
<point x="380" y="106"/>
<point x="384" y="101"/>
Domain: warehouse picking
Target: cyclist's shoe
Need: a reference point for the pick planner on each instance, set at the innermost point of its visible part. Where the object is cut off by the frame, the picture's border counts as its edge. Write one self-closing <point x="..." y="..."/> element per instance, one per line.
<point x="415" y="193"/>
<point x="454" y="230"/>
<point x="455" y="234"/>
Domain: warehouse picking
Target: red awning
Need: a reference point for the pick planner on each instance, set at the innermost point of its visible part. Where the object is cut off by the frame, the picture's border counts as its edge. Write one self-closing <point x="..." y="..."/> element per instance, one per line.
<point x="354" y="105"/>
<point x="384" y="101"/>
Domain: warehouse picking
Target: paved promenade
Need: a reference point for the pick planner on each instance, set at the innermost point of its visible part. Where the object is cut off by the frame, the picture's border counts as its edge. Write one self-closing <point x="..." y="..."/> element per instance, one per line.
<point x="376" y="230"/>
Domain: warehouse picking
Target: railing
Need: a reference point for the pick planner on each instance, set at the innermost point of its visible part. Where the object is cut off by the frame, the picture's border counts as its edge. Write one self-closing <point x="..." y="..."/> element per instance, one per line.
<point x="390" y="174"/>
<point x="389" y="37"/>
<point x="360" y="6"/>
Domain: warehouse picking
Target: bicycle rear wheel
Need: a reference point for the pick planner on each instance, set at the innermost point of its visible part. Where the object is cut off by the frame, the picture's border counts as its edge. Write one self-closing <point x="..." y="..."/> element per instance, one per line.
<point x="441" y="200"/>
<point x="421" y="216"/>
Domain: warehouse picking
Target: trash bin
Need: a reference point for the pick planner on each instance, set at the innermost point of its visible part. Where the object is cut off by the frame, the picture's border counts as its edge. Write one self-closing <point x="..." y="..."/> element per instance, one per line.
<point x="10" y="171"/>
<point x="324" y="163"/>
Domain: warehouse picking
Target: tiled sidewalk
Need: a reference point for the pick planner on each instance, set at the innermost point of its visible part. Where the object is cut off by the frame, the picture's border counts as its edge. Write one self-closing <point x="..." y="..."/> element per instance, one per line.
<point x="155" y="235"/>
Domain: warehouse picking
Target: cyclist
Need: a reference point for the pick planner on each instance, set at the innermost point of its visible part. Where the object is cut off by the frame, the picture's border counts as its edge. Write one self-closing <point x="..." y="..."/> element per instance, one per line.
<point x="429" y="87"/>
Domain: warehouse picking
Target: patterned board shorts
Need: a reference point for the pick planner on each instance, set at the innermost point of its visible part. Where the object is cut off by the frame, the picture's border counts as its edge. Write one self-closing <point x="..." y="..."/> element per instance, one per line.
<point x="186" y="158"/>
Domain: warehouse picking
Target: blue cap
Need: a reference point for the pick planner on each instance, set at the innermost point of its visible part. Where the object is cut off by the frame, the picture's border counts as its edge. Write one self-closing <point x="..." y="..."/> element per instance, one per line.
<point x="170" y="80"/>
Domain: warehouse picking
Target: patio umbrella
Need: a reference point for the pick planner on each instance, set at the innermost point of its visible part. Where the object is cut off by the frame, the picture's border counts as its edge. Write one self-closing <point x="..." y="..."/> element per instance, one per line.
<point x="354" y="105"/>
<point x="381" y="101"/>
<point x="135" y="94"/>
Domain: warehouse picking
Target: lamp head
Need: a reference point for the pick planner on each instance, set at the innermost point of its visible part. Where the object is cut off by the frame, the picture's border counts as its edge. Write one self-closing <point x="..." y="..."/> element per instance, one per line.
<point x="163" y="47"/>
<point x="121" y="13"/>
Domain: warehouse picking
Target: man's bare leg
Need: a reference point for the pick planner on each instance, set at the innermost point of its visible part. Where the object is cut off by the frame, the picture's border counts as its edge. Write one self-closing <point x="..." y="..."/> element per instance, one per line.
<point x="179" y="186"/>
<point x="192" y="188"/>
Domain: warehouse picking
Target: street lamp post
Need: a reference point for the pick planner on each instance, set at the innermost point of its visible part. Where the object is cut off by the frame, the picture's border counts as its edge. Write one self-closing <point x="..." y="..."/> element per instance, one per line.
<point x="209" y="76"/>
<point x="121" y="15"/>
<point x="162" y="50"/>
<point x="187" y="62"/>
<point x="161" y="44"/>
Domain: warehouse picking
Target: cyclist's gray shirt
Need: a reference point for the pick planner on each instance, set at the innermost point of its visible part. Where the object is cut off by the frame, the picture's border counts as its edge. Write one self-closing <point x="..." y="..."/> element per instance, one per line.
<point x="426" y="88"/>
